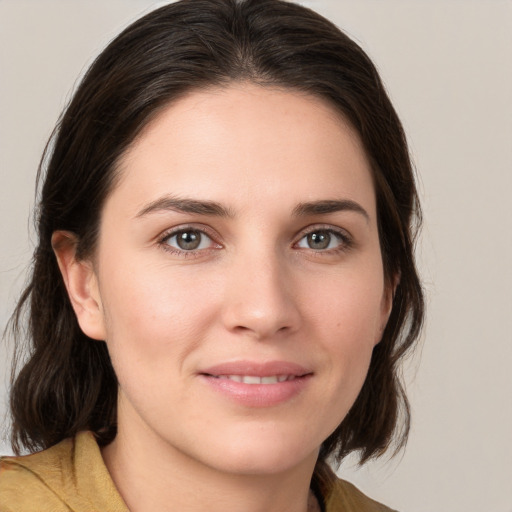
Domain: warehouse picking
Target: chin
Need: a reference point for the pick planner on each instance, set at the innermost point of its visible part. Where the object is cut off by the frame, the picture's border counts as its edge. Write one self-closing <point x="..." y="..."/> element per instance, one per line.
<point x="260" y="454"/>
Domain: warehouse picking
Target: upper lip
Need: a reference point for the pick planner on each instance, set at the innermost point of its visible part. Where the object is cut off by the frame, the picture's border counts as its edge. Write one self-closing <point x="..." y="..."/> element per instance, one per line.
<point x="265" y="369"/>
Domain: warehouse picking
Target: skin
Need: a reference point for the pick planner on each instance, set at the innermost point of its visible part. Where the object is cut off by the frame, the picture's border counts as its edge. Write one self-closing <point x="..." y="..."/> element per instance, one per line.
<point x="254" y="290"/>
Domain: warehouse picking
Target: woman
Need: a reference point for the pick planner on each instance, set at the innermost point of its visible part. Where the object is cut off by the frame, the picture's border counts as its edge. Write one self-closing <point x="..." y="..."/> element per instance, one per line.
<point x="224" y="284"/>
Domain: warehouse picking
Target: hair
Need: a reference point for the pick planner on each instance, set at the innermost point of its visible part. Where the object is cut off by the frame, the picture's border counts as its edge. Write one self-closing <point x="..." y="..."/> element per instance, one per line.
<point x="67" y="383"/>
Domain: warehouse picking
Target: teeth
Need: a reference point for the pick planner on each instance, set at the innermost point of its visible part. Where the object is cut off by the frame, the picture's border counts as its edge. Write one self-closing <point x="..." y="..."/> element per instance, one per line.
<point x="253" y="379"/>
<point x="250" y="379"/>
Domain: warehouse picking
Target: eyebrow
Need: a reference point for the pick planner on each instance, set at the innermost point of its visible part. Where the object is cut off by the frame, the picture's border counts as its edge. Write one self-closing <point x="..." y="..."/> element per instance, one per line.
<point x="182" y="205"/>
<point x="212" y="208"/>
<point x="329" y="206"/>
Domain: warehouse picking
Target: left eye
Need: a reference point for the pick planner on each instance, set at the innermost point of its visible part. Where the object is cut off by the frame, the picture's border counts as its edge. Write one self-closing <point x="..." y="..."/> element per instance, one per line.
<point x="321" y="240"/>
<point x="188" y="240"/>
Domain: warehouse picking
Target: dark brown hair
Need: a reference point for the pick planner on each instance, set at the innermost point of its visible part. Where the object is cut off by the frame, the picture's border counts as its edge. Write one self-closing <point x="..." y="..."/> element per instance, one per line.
<point x="67" y="383"/>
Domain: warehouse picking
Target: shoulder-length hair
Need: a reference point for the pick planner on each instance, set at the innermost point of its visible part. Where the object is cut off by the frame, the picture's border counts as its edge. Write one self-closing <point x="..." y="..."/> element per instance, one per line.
<point x="67" y="383"/>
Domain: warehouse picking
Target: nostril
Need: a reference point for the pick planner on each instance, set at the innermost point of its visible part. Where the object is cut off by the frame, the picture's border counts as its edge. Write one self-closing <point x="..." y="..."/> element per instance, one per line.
<point x="258" y="312"/>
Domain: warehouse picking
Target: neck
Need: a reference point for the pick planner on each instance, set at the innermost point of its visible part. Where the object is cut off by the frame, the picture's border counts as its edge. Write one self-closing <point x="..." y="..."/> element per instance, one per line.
<point x="151" y="475"/>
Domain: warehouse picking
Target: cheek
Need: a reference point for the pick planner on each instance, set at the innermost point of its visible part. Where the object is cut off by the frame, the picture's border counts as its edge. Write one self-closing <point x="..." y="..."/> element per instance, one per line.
<point x="349" y="305"/>
<point x="153" y="315"/>
<point x="347" y="318"/>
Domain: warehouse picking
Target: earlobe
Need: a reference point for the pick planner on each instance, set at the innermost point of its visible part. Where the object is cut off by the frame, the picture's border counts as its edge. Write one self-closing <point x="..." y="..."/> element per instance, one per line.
<point x="81" y="284"/>
<point x="386" y="307"/>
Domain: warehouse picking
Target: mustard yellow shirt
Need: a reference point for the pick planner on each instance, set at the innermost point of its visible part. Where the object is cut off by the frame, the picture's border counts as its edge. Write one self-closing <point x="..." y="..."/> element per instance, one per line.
<point x="72" y="477"/>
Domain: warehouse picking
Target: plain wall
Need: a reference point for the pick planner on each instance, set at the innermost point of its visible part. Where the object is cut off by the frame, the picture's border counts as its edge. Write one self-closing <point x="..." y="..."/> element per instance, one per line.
<point x="447" y="66"/>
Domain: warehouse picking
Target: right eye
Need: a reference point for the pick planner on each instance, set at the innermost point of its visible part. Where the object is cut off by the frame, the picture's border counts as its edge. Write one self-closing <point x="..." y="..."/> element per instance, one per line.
<point x="186" y="240"/>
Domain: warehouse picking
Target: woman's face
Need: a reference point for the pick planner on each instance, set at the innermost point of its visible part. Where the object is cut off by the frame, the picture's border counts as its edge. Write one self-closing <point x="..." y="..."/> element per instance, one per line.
<point x="238" y="278"/>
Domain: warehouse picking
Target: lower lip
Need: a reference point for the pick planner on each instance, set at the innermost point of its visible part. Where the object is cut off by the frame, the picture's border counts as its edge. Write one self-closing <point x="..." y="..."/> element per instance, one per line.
<point x="258" y="395"/>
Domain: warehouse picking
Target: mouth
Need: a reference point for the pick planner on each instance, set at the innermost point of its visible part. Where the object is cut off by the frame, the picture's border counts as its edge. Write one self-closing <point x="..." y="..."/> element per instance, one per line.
<point x="251" y="372"/>
<point x="251" y="384"/>
<point x="255" y="379"/>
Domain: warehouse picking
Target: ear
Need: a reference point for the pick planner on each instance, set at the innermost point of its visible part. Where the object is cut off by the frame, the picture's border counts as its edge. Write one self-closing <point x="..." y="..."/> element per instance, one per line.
<point x="386" y="305"/>
<point x="81" y="284"/>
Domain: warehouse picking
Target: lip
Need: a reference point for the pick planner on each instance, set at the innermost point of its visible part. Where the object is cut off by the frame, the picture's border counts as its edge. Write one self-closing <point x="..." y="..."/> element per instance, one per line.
<point x="265" y="369"/>
<point x="257" y="395"/>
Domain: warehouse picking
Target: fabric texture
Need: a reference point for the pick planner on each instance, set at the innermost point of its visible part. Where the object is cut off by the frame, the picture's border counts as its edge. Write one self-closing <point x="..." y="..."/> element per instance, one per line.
<point x="71" y="477"/>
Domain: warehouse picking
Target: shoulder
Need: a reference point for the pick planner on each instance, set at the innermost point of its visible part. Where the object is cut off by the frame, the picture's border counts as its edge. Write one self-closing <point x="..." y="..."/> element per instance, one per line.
<point x="347" y="497"/>
<point x="69" y="475"/>
<point x="26" y="482"/>
<point x="342" y="496"/>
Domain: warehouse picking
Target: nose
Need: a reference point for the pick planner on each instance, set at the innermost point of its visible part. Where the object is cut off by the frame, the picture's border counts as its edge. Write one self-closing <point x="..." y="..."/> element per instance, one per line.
<point x="259" y="298"/>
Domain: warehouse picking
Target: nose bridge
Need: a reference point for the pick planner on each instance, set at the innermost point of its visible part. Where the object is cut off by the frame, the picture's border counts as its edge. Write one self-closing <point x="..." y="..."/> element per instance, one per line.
<point x="259" y="298"/>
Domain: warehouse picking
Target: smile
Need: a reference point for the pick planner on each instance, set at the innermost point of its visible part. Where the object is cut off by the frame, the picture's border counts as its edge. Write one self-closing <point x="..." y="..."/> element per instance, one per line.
<point x="254" y="379"/>
<point x="257" y="384"/>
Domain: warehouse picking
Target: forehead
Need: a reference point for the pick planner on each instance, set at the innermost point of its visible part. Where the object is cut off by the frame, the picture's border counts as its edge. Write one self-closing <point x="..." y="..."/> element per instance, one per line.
<point x="243" y="142"/>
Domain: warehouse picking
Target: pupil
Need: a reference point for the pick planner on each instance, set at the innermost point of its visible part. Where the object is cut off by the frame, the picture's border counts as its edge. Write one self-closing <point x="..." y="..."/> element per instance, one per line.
<point x="188" y="240"/>
<point x="319" y="240"/>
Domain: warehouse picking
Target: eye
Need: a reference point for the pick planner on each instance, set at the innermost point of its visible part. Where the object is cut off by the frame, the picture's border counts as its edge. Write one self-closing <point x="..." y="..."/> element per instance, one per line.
<point x="323" y="240"/>
<point x="188" y="240"/>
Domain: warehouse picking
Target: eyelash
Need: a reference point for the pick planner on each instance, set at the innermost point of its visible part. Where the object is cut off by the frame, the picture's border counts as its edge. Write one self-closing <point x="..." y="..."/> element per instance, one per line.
<point x="345" y="240"/>
<point x="203" y="231"/>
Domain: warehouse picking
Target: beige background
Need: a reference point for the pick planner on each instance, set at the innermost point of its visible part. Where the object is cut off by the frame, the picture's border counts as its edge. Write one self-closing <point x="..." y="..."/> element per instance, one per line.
<point x="447" y="65"/>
